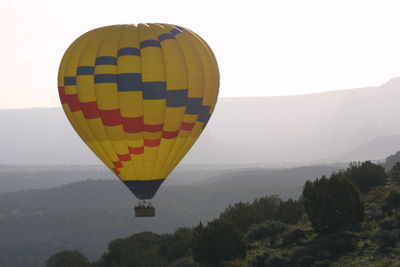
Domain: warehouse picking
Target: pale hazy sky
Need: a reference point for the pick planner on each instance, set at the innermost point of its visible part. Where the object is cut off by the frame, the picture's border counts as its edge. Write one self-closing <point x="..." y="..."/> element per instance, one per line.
<point x="264" y="48"/>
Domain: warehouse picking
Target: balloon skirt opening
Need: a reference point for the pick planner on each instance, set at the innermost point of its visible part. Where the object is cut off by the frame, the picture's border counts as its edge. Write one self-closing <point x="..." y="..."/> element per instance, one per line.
<point x="144" y="189"/>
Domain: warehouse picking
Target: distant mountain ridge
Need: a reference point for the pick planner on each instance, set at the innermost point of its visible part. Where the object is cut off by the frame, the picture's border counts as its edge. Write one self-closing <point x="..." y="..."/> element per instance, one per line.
<point x="300" y="128"/>
<point x="378" y="146"/>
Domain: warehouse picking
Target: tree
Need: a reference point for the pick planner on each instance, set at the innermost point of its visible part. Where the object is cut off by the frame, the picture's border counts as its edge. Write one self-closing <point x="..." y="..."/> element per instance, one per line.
<point x="290" y="211"/>
<point x="142" y="249"/>
<point x="392" y="202"/>
<point x="366" y="175"/>
<point x="242" y="215"/>
<point x="332" y="203"/>
<point x="270" y="228"/>
<point x="268" y="206"/>
<point x="218" y="241"/>
<point x="176" y="245"/>
<point x="394" y="173"/>
<point x="68" y="258"/>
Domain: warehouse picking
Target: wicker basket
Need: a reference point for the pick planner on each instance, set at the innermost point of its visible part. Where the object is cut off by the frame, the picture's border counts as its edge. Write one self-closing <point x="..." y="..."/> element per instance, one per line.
<point x="145" y="211"/>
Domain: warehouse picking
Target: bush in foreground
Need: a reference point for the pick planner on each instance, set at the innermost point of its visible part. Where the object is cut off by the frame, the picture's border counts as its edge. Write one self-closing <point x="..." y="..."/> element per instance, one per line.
<point x="332" y="203"/>
<point x="68" y="258"/>
<point x="219" y="241"/>
<point x="366" y="175"/>
<point x="265" y="230"/>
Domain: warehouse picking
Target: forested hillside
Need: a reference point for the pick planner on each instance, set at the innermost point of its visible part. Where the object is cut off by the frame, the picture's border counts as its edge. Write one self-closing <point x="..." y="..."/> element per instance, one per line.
<point x="86" y="215"/>
<point x="350" y="218"/>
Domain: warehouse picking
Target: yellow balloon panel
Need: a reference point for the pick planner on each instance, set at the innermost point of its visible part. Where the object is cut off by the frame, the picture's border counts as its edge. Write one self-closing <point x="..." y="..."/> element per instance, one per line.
<point x="139" y="96"/>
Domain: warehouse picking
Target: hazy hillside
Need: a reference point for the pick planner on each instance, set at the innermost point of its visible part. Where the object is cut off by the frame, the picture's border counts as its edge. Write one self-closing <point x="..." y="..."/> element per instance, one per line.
<point x="310" y="127"/>
<point x="269" y="232"/>
<point x="21" y="177"/>
<point x="86" y="215"/>
<point x="331" y="126"/>
<point x="378" y="146"/>
<point x="15" y="178"/>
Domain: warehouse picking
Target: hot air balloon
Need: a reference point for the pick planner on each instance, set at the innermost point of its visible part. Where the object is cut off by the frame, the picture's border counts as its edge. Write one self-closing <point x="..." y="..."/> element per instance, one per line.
<point x="139" y="96"/>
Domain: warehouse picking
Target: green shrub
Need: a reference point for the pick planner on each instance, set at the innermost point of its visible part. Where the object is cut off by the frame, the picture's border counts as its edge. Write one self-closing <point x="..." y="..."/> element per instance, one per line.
<point x="306" y="261"/>
<point x="267" y="229"/>
<point x="388" y="238"/>
<point x="183" y="262"/>
<point x="388" y="224"/>
<point x="323" y="255"/>
<point x="294" y="236"/>
<point x="324" y="263"/>
<point x="176" y="245"/>
<point x="289" y="211"/>
<point x="332" y="203"/>
<point x="276" y="261"/>
<point x="68" y="258"/>
<point x="340" y="242"/>
<point x="395" y="170"/>
<point x="366" y="175"/>
<point x="142" y="249"/>
<point x="327" y="246"/>
<point x="393" y="200"/>
<point x="218" y="241"/>
<point x="259" y="260"/>
<point x="242" y="215"/>
<point x="267" y="206"/>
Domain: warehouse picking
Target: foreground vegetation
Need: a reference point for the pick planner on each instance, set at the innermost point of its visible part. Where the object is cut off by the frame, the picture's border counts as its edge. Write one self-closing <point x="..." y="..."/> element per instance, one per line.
<point x="351" y="218"/>
<point x="86" y="215"/>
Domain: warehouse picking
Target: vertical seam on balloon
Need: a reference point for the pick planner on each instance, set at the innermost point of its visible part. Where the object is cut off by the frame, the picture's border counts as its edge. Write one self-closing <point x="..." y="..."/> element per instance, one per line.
<point x="141" y="82"/>
<point x="95" y="94"/>
<point x="183" y="116"/>
<point x="123" y="131"/>
<point x="94" y="136"/>
<point x="74" y="116"/>
<point x="64" y="63"/>
<point x="188" y="137"/>
<point x="151" y="176"/>
<point x="165" y="107"/>
<point x="181" y="149"/>
<point x="101" y="117"/>
<point x="112" y="142"/>
<point x="203" y="67"/>
<point x="214" y="64"/>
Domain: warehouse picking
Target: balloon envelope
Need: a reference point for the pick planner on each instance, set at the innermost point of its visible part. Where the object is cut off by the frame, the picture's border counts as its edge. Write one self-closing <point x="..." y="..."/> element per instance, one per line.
<point x="139" y="96"/>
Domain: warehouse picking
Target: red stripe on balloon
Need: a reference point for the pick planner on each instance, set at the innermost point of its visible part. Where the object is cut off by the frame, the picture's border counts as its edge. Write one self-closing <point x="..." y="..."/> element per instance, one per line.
<point x="117" y="164"/>
<point x="124" y="157"/>
<point x="133" y="125"/>
<point x="186" y="126"/>
<point x="61" y="93"/>
<point x="136" y="150"/>
<point x="111" y="117"/>
<point x="90" y="110"/>
<point x="152" y="143"/>
<point x="170" y="135"/>
<point x="116" y="171"/>
<point x="153" y="128"/>
<point x="73" y="102"/>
